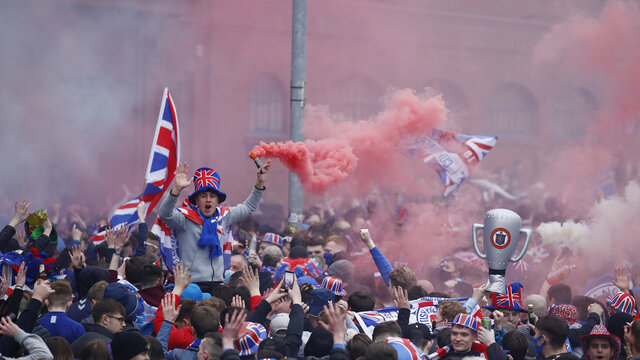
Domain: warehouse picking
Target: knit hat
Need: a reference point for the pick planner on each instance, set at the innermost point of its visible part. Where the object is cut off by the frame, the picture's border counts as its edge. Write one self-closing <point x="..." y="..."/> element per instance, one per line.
<point x="343" y="269"/>
<point x="272" y="238"/>
<point x="89" y="276"/>
<point x="278" y="323"/>
<point x="318" y="298"/>
<point x="567" y="312"/>
<point x="206" y="179"/>
<point x="623" y="302"/>
<point x="467" y="321"/>
<point x="600" y="331"/>
<point x="251" y="335"/>
<point x="334" y="284"/>
<point x="512" y="300"/>
<point x="121" y="294"/>
<point x="616" y="323"/>
<point x="405" y="348"/>
<point x="194" y="293"/>
<point x="127" y="344"/>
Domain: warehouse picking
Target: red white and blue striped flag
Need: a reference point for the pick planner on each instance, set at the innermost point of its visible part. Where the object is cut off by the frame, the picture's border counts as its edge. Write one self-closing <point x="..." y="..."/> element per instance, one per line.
<point x="450" y="154"/>
<point x="161" y="169"/>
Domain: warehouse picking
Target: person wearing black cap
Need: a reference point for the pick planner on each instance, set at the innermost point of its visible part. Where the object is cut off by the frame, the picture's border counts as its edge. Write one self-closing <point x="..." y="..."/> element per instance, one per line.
<point x="129" y="345"/>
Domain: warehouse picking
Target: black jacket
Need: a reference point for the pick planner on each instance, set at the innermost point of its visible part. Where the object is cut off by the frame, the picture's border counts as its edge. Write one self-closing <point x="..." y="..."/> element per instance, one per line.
<point x="94" y="331"/>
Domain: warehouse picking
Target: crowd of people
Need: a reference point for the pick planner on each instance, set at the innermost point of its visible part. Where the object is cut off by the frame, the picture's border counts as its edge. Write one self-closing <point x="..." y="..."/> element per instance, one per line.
<point x="245" y="290"/>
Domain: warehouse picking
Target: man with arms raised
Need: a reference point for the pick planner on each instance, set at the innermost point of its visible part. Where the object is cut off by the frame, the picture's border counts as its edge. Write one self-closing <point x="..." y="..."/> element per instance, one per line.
<point x="201" y="225"/>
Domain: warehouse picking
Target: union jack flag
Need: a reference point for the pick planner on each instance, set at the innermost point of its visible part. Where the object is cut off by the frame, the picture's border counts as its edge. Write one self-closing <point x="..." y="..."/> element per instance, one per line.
<point x="161" y="168"/>
<point x="450" y="154"/>
<point x="511" y="300"/>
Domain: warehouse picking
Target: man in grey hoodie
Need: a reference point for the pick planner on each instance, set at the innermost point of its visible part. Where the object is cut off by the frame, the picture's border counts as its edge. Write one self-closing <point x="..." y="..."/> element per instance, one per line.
<point x="201" y="226"/>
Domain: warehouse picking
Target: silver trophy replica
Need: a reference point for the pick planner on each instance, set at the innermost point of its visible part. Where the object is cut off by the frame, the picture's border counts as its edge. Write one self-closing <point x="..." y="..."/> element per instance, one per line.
<point x="501" y="235"/>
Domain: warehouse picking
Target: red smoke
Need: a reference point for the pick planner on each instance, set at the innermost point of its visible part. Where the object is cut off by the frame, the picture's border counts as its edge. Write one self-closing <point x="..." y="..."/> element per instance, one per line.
<point x="367" y="148"/>
<point x="608" y="48"/>
<point x="318" y="164"/>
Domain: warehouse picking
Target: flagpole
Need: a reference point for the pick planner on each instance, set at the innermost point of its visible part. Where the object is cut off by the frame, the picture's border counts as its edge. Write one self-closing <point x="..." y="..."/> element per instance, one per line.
<point x="298" y="75"/>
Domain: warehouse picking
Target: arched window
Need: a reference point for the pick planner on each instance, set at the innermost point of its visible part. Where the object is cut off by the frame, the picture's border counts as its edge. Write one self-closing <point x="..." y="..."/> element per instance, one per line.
<point x="572" y="110"/>
<point x="356" y="97"/>
<point x="511" y="111"/>
<point x="267" y="105"/>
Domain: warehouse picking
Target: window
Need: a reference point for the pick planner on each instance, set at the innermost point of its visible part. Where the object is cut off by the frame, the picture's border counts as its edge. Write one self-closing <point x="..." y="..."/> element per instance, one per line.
<point x="356" y="97"/>
<point x="572" y="110"/>
<point x="511" y="111"/>
<point x="267" y="106"/>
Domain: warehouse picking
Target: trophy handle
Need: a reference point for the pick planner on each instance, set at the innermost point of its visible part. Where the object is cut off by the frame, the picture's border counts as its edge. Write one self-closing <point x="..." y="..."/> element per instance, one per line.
<point x="527" y="233"/>
<point x="474" y="232"/>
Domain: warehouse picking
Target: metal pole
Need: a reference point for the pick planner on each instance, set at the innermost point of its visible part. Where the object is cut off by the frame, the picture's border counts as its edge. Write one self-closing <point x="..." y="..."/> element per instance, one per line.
<point x="298" y="74"/>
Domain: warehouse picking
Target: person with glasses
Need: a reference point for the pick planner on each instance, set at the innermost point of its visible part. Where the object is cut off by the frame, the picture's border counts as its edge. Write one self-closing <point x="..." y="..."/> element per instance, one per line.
<point x="109" y="318"/>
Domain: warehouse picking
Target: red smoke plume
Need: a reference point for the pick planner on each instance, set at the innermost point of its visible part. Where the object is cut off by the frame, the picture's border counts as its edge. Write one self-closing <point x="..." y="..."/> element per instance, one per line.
<point x="367" y="148"/>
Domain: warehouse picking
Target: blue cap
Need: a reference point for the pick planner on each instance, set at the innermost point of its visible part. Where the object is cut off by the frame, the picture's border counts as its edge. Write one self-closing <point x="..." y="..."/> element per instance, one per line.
<point x="318" y="298"/>
<point x="121" y="294"/>
<point x="194" y="293"/>
<point x="308" y="280"/>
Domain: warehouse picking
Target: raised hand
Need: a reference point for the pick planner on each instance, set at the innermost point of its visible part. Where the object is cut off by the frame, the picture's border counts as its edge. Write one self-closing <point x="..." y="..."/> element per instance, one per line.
<point x="294" y="292"/>
<point x="237" y="301"/>
<point x="21" y="276"/>
<point x="335" y="322"/>
<point x="110" y="238"/>
<point x="8" y="328"/>
<point x="47" y="227"/>
<point x="251" y="280"/>
<point x="366" y="238"/>
<point x="262" y="174"/>
<point x="276" y="294"/>
<point x="141" y="209"/>
<point x="169" y="309"/>
<point x="182" y="278"/>
<point x="622" y="279"/>
<point x="478" y="293"/>
<point x="77" y="257"/>
<point x="401" y="298"/>
<point x="232" y="326"/>
<point x="75" y="233"/>
<point x="21" y="237"/>
<point x="42" y="290"/>
<point x="21" y="213"/>
<point x="121" y="237"/>
<point x="182" y="180"/>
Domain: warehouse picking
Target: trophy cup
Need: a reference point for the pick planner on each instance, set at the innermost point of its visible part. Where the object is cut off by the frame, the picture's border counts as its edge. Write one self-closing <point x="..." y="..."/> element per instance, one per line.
<point x="501" y="232"/>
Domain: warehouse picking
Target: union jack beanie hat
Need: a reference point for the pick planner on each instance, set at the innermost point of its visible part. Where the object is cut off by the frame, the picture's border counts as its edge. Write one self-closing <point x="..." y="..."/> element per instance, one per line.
<point x="251" y="335"/>
<point x="272" y="238"/>
<point x="622" y="302"/>
<point x="467" y="321"/>
<point x="206" y="179"/>
<point x="334" y="284"/>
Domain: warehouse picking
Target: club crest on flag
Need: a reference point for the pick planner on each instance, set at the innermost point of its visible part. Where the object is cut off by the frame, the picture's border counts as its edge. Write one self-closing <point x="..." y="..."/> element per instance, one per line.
<point x="500" y="238"/>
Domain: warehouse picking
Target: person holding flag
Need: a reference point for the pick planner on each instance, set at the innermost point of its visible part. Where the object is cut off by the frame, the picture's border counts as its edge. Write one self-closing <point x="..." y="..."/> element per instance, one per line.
<point x="201" y="225"/>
